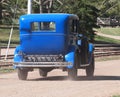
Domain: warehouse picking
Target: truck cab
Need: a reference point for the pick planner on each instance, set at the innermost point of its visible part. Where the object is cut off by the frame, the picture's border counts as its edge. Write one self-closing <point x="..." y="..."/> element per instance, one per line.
<point x="50" y="41"/>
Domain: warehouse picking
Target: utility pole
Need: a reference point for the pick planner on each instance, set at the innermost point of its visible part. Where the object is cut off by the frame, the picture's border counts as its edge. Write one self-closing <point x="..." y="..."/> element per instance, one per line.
<point x="29" y="11"/>
<point x="41" y="10"/>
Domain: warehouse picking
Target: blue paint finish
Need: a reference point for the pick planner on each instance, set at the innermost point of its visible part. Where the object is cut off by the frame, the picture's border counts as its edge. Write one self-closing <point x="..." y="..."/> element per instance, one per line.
<point x="70" y="57"/>
<point x="72" y="48"/>
<point x="44" y="42"/>
<point x="18" y="57"/>
<point x="59" y="19"/>
<point x="91" y="47"/>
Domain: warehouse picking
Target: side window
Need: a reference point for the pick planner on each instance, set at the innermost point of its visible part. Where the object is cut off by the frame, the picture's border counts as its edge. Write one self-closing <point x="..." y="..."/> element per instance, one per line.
<point x="43" y="26"/>
<point x="73" y="26"/>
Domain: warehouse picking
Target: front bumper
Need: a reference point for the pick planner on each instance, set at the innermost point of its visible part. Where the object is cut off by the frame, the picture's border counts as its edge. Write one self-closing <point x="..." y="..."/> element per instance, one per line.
<point x="41" y="64"/>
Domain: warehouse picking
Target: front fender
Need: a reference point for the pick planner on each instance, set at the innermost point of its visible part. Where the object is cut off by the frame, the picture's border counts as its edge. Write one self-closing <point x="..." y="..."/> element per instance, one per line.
<point x="91" y="48"/>
<point x="18" y="57"/>
<point x="70" y="56"/>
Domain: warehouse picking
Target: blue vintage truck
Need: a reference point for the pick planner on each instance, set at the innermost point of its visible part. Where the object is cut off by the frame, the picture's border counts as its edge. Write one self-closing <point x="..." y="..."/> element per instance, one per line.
<point x="50" y="41"/>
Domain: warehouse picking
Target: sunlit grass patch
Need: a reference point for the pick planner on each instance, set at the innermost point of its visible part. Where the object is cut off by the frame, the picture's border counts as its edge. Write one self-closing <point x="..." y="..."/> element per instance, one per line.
<point x="110" y="31"/>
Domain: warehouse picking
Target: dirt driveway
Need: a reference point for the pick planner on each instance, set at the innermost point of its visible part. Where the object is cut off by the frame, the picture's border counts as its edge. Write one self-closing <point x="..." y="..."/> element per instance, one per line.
<point x="105" y="83"/>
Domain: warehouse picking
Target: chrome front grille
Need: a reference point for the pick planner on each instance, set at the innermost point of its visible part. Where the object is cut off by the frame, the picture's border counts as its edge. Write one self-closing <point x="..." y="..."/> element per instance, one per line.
<point x="43" y="58"/>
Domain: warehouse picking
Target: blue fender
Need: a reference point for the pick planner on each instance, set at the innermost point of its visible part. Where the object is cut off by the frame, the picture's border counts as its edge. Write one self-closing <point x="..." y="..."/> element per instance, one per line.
<point x="79" y="41"/>
<point x="70" y="56"/>
<point x="91" y="47"/>
<point x="18" y="57"/>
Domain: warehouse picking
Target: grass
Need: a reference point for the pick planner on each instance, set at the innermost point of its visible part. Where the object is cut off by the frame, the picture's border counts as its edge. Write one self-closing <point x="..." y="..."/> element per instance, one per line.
<point x="106" y="40"/>
<point x="107" y="58"/>
<point x="4" y="70"/>
<point x="4" y="36"/>
<point x="110" y="31"/>
<point x="116" y="96"/>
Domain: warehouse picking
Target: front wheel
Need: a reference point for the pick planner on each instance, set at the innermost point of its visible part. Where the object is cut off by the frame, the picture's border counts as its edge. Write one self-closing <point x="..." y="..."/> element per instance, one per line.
<point x="72" y="73"/>
<point x="22" y="74"/>
<point x="90" y="68"/>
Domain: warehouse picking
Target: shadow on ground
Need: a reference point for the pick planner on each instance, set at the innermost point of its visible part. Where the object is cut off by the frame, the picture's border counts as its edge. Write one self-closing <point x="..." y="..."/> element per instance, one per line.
<point x="79" y="78"/>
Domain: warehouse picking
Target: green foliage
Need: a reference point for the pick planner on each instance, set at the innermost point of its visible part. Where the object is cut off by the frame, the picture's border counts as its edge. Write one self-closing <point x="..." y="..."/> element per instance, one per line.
<point x="4" y="36"/>
<point x="0" y="13"/>
<point x="109" y="8"/>
<point x="85" y="10"/>
<point x="12" y="9"/>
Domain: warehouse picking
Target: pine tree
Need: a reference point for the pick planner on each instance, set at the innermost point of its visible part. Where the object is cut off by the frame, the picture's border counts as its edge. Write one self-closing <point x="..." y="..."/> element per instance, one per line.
<point x="86" y="12"/>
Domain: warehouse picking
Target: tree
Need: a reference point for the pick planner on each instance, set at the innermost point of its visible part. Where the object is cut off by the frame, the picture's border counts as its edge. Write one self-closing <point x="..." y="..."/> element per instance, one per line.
<point x="42" y="6"/>
<point x="109" y="7"/>
<point x="0" y="11"/>
<point x="86" y="12"/>
<point x="9" y="10"/>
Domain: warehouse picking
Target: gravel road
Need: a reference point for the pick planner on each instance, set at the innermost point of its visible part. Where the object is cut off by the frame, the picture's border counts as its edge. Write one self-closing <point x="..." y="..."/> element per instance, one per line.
<point x="105" y="83"/>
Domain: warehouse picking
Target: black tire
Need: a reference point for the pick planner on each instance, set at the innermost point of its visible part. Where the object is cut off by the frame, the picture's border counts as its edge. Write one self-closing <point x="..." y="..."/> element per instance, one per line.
<point x="42" y="73"/>
<point x="90" y="68"/>
<point x="22" y="74"/>
<point x="72" y="73"/>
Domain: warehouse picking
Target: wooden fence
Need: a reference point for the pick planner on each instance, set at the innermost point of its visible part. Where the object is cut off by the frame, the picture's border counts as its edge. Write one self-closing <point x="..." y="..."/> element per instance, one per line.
<point x="101" y="50"/>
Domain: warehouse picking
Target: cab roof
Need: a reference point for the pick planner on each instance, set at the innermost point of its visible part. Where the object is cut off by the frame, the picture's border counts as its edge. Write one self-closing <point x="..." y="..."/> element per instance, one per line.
<point x="61" y="19"/>
<point x="47" y="17"/>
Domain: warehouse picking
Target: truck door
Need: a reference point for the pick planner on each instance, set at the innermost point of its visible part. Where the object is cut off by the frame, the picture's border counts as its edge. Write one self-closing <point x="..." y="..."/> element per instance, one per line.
<point x="73" y="30"/>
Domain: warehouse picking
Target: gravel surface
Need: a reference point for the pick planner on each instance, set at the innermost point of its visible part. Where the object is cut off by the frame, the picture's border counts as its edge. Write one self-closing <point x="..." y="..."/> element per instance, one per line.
<point x="105" y="83"/>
